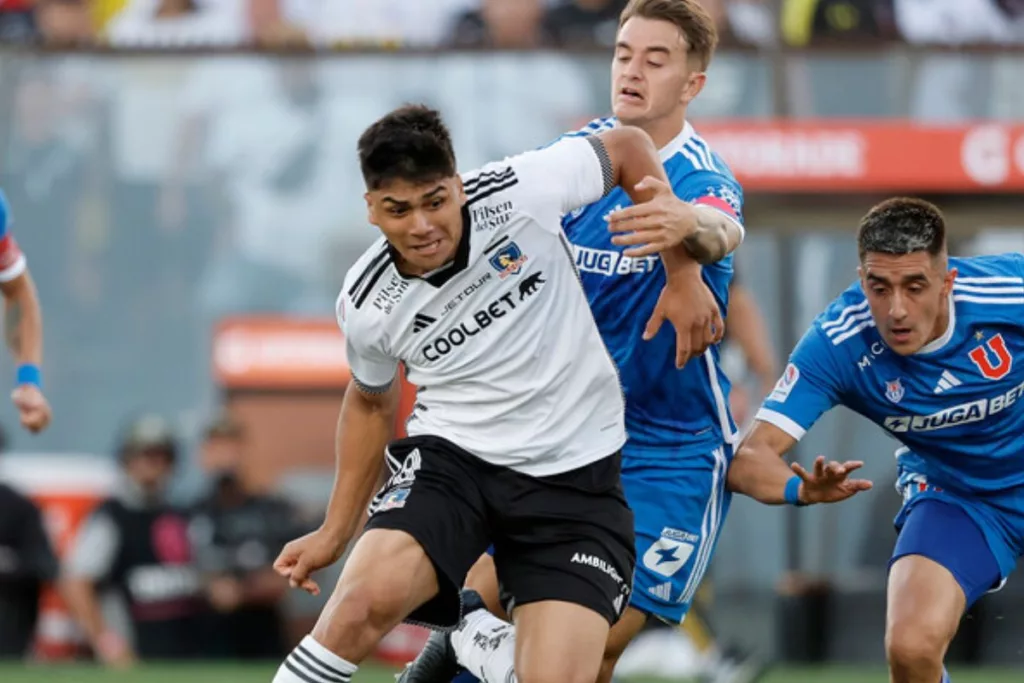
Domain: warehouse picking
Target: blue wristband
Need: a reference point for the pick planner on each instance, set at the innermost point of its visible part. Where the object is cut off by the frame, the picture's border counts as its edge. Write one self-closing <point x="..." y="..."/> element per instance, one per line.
<point x="30" y="374"/>
<point x="792" y="494"/>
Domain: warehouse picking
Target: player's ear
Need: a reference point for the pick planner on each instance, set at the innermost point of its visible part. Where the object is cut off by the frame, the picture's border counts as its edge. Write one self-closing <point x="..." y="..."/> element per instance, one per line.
<point x="948" y="280"/>
<point x="371" y="209"/>
<point x="694" y="84"/>
<point x="460" y="190"/>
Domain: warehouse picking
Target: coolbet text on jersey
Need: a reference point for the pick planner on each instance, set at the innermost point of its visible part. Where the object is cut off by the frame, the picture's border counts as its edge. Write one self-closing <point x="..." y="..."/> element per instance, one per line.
<point x="955" y="405"/>
<point x="494" y="374"/>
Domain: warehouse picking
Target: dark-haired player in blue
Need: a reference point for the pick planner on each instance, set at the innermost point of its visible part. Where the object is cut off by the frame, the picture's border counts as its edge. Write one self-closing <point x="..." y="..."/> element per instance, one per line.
<point x="929" y="348"/>
<point x="680" y="429"/>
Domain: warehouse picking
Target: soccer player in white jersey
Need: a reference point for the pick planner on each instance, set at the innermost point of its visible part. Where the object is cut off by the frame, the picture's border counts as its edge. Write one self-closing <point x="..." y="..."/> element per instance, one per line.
<point x="680" y="430"/>
<point x="23" y="328"/>
<point x="518" y="422"/>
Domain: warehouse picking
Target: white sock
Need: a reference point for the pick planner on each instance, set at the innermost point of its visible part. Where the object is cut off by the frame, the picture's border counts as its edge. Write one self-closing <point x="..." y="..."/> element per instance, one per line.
<point x="311" y="662"/>
<point x="486" y="646"/>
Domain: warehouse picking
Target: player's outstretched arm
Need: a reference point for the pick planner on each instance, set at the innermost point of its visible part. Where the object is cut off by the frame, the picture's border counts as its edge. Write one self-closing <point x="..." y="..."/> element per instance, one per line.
<point x="759" y="471"/>
<point x="23" y="331"/>
<point x="667" y="224"/>
<point x="365" y="426"/>
<point x="686" y="301"/>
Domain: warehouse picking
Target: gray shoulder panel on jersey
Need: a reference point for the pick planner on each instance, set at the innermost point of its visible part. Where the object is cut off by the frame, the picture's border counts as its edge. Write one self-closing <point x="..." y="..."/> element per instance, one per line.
<point x="372" y="390"/>
<point x="606" y="162"/>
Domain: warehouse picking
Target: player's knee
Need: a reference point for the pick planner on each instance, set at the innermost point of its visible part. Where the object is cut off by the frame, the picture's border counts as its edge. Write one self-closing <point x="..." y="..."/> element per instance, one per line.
<point x="912" y="646"/>
<point x="362" y="612"/>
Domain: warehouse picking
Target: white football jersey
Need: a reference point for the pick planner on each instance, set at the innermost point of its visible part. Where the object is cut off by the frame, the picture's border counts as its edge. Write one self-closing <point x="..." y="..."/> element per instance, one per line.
<point x="500" y="343"/>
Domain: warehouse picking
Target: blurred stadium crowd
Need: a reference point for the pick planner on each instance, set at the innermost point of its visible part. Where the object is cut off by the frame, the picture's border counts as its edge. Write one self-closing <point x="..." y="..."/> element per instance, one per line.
<point x="488" y="23"/>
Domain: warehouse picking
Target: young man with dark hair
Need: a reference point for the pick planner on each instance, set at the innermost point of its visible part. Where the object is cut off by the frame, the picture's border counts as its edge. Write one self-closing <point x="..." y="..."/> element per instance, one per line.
<point x="515" y="435"/>
<point x="924" y="346"/>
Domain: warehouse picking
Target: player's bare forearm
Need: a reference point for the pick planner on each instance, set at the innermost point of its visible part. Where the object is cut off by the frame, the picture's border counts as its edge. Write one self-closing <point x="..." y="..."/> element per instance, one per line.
<point x="23" y="320"/>
<point x="633" y="157"/>
<point x="365" y="426"/>
<point x="748" y="328"/>
<point x="80" y="596"/>
<point x="758" y="470"/>
<point x="713" y="237"/>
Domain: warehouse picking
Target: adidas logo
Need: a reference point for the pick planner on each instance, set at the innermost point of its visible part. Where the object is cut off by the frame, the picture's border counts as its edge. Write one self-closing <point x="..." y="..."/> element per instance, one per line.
<point x="664" y="591"/>
<point x="947" y="382"/>
<point x="422" y="322"/>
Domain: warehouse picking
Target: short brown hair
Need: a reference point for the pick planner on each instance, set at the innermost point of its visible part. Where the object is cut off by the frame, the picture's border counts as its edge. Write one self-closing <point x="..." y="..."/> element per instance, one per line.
<point x="902" y="225"/>
<point x="689" y="16"/>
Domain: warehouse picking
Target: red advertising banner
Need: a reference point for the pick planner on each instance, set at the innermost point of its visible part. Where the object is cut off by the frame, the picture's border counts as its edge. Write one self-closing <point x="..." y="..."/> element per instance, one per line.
<point x="865" y="156"/>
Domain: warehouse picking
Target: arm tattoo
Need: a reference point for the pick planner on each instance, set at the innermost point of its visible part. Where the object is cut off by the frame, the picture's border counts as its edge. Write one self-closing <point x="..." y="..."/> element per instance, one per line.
<point x="12" y="326"/>
<point x="709" y="243"/>
<point x="606" y="163"/>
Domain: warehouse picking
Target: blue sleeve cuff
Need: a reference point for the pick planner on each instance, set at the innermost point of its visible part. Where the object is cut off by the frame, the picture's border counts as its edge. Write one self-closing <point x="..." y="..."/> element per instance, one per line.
<point x="30" y="374"/>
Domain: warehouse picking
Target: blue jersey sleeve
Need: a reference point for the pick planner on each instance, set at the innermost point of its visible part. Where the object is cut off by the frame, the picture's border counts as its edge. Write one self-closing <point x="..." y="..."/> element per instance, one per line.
<point x="715" y="191"/>
<point x="809" y="386"/>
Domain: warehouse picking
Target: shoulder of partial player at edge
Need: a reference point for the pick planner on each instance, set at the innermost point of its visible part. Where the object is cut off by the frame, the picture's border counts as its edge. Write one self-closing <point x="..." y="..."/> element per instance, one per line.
<point x="990" y="286"/>
<point x="5" y="214"/>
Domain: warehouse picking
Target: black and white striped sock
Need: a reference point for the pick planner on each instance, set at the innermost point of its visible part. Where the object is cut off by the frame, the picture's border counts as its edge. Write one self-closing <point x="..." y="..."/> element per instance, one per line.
<point x="311" y="662"/>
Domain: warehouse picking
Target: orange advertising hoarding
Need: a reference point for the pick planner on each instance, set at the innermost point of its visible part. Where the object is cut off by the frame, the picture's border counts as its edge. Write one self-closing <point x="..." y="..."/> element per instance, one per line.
<point x="276" y="353"/>
<point x="286" y="353"/>
<point x="863" y="156"/>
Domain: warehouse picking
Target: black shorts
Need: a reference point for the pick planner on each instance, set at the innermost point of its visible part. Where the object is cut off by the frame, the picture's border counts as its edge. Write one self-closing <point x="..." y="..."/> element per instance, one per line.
<point x="564" y="537"/>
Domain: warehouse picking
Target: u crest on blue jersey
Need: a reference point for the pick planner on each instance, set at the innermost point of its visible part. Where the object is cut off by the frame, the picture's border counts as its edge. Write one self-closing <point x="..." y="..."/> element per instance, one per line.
<point x="992" y="358"/>
<point x="894" y="390"/>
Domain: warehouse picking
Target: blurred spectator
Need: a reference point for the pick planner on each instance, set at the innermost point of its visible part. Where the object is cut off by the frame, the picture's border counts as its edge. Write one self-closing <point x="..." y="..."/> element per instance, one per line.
<point x="955" y="87"/>
<point x="27" y="561"/>
<point x="137" y="545"/>
<point x="17" y="22"/>
<point x="813" y="21"/>
<point x="503" y="25"/>
<point x="958" y="22"/>
<point x="64" y="23"/>
<point x="237" y="534"/>
<point x="581" y="23"/>
<point x="154" y="23"/>
<point x="753" y="22"/>
<point x="407" y="23"/>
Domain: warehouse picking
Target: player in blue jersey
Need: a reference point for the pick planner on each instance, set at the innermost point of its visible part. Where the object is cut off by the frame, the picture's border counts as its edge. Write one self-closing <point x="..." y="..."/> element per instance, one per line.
<point x="678" y="421"/>
<point x="928" y="347"/>
<point x="23" y="328"/>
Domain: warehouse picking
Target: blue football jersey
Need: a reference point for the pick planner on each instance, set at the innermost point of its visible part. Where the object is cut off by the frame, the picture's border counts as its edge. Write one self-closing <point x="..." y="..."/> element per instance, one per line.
<point x="955" y="404"/>
<point x="666" y="408"/>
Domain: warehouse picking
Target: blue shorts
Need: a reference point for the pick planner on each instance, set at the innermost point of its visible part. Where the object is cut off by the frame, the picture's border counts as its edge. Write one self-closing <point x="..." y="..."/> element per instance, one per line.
<point x="962" y="534"/>
<point x="679" y="505"/>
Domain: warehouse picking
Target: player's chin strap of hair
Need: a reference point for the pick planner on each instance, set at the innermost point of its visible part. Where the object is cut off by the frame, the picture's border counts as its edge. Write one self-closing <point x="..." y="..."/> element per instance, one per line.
<point x="792" y="494"/>
<point x="28" y="373"/>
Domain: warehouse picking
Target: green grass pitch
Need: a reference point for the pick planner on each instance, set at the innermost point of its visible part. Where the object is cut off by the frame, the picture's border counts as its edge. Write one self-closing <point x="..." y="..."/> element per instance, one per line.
<point x="231" y="673"/>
